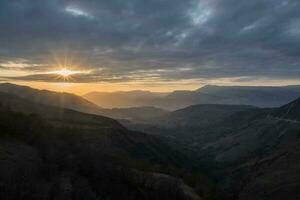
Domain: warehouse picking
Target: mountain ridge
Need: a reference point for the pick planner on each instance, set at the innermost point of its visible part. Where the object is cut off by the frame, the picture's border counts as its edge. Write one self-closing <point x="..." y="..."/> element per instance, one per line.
<point x="60" y="99"/>
<point x="252" y="153"/>
<point x="74" y="102"/>
<point x="259" y="96"/>
<point x="39" y="160"/>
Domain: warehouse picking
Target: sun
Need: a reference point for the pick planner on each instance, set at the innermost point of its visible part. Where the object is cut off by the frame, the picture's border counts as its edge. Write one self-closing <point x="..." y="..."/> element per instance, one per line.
<point x="65" y="72"/>
<point x="65" y="69"/>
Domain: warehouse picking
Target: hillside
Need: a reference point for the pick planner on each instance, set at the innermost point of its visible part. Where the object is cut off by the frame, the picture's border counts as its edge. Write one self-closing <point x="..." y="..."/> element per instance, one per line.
<point x="199" y="115"/>
<point x="257" y="152"/>
<point x="77" y="103"/>
<point x="106" y="131"/>
<point x="290" y="111"/>
<point x="78" y="145"/>
<point x="185" y="125"/>
<point x="41" y="161"/>
<point x="55" y="115"/>
<point x="136" y="114"/>
<point x="63" y="100"/>
<point x="253" y="153"/>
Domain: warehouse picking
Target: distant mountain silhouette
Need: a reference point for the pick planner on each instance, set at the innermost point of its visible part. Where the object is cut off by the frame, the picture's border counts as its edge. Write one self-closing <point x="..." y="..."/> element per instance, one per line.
<point x="136" y="98"/>
<point x="74" y="102"/>
<point x="209" y="94"/>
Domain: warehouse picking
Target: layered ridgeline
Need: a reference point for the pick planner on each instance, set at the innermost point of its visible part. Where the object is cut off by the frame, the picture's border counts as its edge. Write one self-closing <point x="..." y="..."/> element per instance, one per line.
<point x="197" y="115"/>
<point x="210" y="94"/>
<point x="74" y="102"/>
<point x="58" y="99"/>
<point x="50" y="152"/>
<point x="109" y="133"/>
<point x="123" y="99"/>
<point x="253" y="153"/>
<point x="187" y="127"/>
<point x="141" y="106"/>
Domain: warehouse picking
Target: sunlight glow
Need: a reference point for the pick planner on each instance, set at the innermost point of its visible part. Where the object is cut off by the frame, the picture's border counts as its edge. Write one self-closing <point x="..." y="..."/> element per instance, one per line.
<point x="67" y="68"/>
<point x="65" y="72"/>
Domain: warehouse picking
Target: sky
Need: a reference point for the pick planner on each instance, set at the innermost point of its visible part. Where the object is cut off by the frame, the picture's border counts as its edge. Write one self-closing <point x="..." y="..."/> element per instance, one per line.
<point x="157" y="45"/>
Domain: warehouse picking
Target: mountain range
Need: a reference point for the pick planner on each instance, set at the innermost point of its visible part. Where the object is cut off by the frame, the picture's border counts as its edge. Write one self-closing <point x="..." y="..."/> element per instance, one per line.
<point x="78" y="103"/>
<point x="59" y="99"/>
<point x="54" y="152"/>
<point x="209" y="94"/>
<point x="252" y="152"/>
<point x="125" y="99"/>
<point x="204" y="151"/>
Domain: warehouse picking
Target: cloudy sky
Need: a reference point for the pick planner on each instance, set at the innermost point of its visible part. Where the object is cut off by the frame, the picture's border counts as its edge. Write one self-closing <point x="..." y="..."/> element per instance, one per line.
<point x="158" y="45"/>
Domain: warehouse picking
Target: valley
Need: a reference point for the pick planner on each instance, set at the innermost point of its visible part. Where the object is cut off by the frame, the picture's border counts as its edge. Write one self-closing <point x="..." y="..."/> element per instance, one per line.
<point x="205" y="151"/>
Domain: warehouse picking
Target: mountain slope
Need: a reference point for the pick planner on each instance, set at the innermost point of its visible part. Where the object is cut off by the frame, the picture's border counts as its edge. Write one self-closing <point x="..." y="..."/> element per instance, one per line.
<point x="105" y="132"/>
<point x="39" y="161"/>
<point x="187" y="126"/>
<point x="199" y="115"/>
<point x="290" y="111"/>
<point x="74" y="102"/>
<point x="252" y="153"/>
<point x="55" y="115"/>
<point x="137" y="114"/>
<point x="63" y="100"/>
<point x="256" y="153"/>
<point x="273" y="176"/>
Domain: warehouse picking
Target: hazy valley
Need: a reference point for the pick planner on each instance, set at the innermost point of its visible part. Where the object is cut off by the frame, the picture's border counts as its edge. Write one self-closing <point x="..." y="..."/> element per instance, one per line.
<point x="209" y="94"/>
<point x="215" y="151"/>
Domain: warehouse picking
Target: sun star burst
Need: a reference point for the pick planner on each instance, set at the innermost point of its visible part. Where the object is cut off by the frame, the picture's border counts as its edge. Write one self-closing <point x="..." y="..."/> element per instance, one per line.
<point x="66" y="72"/>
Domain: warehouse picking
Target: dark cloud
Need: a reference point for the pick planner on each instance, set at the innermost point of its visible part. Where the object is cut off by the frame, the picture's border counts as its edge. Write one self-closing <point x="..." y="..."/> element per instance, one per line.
<point x="95" y="77"/>
<point x="133" y="39"/>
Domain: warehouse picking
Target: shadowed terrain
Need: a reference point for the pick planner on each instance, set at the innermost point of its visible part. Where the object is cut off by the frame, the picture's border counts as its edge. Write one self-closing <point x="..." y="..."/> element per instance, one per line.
<point x="245" y="152"/>
<point x="252" y="153"/>
<point x="56" y="153"/>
